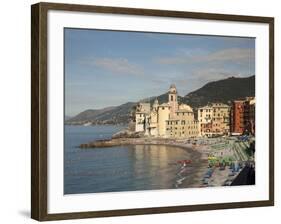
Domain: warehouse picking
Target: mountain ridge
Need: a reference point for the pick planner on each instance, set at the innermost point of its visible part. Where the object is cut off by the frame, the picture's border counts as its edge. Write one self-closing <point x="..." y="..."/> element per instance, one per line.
<point x="224" y="90"/>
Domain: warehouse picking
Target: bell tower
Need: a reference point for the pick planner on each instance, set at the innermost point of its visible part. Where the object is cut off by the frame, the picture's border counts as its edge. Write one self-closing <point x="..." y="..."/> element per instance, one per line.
<point x="173" y="100"/>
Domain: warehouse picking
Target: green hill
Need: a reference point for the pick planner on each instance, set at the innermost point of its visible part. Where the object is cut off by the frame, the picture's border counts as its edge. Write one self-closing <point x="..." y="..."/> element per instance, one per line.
<point x="224" y="91"/>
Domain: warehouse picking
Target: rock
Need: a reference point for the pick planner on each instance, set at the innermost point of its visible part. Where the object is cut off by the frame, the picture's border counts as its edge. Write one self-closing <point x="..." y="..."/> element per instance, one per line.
<point x="108" y="143"/>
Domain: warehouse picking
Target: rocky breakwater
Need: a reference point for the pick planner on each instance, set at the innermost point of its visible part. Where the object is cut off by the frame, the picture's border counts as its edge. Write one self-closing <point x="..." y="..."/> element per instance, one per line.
<point x="124" y="137"/>
<point x="127" y="137"/>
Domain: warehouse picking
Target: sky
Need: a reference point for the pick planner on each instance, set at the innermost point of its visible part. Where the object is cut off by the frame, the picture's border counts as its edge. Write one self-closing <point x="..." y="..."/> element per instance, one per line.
<point x="108" y="68"/>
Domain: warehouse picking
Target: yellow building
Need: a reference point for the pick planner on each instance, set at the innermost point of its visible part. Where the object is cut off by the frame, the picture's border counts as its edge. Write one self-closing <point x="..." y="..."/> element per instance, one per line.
<point x="163" y="115"/>
<point x="221" y="119"/>
<point x="205" y="115"/>
<point x="183" y="123"/>
<point x="214" y="119"/>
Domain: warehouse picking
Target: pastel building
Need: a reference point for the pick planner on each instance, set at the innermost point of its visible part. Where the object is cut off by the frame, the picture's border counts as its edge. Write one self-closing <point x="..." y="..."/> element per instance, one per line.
<point x="214" y="119"/>
<point x="204" y="116"/>
<point x="221" y="119"/>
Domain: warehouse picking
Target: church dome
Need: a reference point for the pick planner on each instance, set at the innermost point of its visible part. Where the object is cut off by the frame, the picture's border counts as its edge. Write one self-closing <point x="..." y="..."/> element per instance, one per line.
<point x="185" y="107"/>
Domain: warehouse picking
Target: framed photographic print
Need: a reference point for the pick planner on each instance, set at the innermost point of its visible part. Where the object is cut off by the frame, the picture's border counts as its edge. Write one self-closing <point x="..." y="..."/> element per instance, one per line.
<point x="140" y="111"/>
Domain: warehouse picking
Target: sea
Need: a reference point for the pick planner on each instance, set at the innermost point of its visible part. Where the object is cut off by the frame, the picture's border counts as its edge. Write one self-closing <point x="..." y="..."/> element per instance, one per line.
<point x="122" y="168"/>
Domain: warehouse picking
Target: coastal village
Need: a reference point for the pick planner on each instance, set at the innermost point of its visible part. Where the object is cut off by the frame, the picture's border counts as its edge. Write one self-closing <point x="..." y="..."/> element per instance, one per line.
<point x="223" y="134"/>
<point x="174" y="120"/>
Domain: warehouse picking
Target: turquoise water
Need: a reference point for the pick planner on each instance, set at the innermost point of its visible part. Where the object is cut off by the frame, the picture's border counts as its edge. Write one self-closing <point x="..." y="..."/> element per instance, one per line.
<point x="124" y="168"/>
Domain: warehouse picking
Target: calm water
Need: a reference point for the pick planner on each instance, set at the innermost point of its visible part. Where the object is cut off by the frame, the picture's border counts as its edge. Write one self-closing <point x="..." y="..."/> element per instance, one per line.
<point x="124" y="168"/>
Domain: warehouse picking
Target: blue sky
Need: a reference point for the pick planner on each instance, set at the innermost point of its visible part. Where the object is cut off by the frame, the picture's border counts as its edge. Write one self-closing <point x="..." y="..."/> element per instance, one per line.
<point x="109" y="68"/>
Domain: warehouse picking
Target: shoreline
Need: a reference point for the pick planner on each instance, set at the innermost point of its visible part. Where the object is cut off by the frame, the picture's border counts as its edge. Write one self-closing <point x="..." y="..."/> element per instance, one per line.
<point x="194" y="174"/>
<point x="199" y="156"/>
<point x="182" y="143"/>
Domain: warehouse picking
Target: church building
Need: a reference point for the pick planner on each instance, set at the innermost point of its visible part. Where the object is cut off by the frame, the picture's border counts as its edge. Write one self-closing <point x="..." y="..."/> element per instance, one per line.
<point x="168" y="120"/>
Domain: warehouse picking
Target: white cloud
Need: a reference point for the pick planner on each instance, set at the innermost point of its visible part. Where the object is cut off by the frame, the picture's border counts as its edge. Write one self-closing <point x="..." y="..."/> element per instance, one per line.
<point x="238" y="55"/>
<point x="118" y="65"/>
<point x="232" y="54"/>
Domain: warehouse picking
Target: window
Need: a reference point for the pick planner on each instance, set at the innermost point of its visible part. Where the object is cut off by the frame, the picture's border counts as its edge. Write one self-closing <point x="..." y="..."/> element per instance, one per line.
<point x="172" y="98"/>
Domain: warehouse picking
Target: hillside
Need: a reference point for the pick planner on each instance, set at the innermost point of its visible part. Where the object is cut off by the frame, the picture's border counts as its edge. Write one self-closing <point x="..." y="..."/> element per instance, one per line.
<point x="109" y="115"/>
<point x="222" y="91"/>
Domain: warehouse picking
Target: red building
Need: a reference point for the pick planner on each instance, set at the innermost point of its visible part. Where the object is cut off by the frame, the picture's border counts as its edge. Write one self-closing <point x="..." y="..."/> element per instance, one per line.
<point x="237" y="118"/>
<point x="243" y="116"/>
